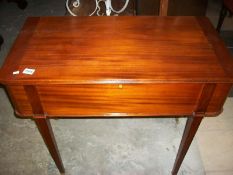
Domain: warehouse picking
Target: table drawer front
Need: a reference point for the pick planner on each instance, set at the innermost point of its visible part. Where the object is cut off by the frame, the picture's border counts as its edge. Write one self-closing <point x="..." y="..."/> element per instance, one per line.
<point x="19" y="100"/>
<point x="119" y="99"/>
<point x="219" y="97"/>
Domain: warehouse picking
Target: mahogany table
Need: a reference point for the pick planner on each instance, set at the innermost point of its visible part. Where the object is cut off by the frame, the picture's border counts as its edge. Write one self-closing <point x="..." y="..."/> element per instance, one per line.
<point x="117" y="67"/>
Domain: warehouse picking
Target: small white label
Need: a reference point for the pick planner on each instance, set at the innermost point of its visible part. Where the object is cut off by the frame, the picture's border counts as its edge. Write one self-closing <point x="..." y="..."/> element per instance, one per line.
<point x="15" y="72"/>
<point x="28" y="71"/>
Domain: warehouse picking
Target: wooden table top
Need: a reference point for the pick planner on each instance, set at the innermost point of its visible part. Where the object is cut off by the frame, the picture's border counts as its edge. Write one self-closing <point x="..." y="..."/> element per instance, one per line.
<point x="118" y="67"/>
<point x="84" y="50"/>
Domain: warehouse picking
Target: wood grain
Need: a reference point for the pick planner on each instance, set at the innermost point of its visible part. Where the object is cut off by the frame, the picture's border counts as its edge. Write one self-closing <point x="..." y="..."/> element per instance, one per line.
<point x="19" y="100"/>
<point x="163" y="7"/>
<point x="119" y="100"/>
<point x="19" y="47"/>
<point x="126" y="100"/>
<point x="118" y="67"/>
<point x="219" y="47"/>
<point x="190" y="130"/>
<point x="45" y="128"/>
<point x="100" y="50"/>
<point x="162" y="63"/>
<point x="34" y="99"/>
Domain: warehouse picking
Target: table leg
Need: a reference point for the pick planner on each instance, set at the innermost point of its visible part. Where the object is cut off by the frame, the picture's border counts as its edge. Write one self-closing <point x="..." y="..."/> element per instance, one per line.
<point x="46" y="132"/>
<point x="190" y="130"/>
<point x="222" y="16"/>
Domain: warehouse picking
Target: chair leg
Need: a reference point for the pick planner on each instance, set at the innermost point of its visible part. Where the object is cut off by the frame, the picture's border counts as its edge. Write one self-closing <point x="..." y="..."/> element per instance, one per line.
<point x="1" y="41"/>
<point x="137" y="7"/>
<point x="222" y="16"/>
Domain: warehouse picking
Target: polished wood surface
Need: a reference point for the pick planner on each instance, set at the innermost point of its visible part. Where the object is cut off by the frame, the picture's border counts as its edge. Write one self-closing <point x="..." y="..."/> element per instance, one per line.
<point x="114" y="100"/>
<point x="190" y="130"/>
<point x="99" y="50"/>
<point x="44" y="126"/>
<point x="144" y="67"/>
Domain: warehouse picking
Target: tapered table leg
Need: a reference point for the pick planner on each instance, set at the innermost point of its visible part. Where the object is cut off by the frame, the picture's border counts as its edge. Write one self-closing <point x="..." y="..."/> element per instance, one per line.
<point x="190" y="130"/>
<point x="46" y="132"/>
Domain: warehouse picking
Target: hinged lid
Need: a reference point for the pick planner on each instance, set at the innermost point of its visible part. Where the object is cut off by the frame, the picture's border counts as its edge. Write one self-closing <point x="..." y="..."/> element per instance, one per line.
<point x="87" y="50"/>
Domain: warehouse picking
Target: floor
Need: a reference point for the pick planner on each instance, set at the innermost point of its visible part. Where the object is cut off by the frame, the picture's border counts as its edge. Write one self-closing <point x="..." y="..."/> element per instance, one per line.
<point x="215" y="140"/>
<point x="215" y="135"/>
<point x="109" y="146"/>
